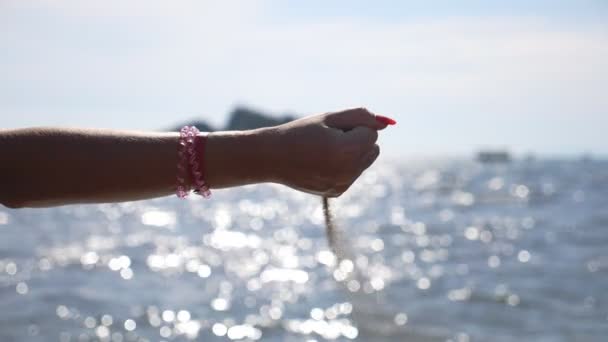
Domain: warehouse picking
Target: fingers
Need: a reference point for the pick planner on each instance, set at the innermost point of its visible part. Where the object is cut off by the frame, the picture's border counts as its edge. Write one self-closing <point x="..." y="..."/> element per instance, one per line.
<point x="362" y="143"/>
<point x="360" y="136"/>
<point x="361" y="165"/>
<point x="351" y="118"/>
<point x="368" y="159"/>
<point x="344" y="151"/>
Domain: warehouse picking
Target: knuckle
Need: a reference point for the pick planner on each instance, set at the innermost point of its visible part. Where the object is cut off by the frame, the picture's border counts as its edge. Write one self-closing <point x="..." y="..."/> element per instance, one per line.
<point x="376" y="149"/>
<point x="357" y="111"/>
<point x="373" y="135"/>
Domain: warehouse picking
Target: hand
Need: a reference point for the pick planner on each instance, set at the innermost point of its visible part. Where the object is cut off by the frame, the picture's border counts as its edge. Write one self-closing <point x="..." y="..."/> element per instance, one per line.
<point x="324" y="154"/>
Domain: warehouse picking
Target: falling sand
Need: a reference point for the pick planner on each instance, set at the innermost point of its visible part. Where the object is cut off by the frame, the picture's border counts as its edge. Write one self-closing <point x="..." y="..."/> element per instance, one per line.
<point x="367" y="308"/>
<point x="332" y="234"/>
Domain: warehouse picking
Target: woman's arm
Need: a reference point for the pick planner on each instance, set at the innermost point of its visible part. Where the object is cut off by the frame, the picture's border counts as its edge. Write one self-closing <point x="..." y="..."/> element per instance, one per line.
<point x="54" y="166"/>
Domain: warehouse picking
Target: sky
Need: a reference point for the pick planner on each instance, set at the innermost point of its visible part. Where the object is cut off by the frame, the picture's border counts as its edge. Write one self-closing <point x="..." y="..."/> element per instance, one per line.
<point x="458" y="76"/>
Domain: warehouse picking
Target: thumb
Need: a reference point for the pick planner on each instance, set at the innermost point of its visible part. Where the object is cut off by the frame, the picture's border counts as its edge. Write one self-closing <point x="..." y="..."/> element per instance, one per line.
<point x="351" y="118"/>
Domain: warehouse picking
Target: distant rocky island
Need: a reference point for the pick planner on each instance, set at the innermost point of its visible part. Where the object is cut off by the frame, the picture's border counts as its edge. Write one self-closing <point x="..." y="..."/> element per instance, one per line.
<point x="239" y="119"/>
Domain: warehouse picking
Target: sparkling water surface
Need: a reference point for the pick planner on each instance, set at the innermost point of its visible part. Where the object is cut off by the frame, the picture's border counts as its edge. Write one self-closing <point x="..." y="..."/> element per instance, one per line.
<point x="428" y="251"/>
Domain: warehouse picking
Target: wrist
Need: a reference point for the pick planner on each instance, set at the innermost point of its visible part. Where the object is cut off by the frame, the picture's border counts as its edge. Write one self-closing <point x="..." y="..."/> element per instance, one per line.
<point x="235" y="158"/>
<point x="265" y="148"/>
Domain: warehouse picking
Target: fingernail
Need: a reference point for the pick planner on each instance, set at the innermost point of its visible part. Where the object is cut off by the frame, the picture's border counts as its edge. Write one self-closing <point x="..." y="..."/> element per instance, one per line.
<point x="385" y="120"/>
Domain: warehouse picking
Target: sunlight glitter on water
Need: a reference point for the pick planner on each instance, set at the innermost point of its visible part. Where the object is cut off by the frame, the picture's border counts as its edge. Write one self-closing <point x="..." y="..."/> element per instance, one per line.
<point x="158" y="218"/>
<point x="428" y="251"/>
<point x="3" y="218"/>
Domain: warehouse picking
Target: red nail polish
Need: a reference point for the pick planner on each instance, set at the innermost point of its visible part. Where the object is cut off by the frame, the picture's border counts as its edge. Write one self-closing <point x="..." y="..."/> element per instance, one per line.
<point x="385" y="120"/>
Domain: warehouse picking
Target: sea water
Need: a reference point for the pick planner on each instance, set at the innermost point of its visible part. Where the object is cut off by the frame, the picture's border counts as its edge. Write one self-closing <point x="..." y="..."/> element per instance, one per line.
<point x="442" y="250"/>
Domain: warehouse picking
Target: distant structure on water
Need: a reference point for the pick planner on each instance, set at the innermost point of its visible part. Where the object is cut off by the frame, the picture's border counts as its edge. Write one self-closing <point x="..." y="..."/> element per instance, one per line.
<point x="493" y="156"/>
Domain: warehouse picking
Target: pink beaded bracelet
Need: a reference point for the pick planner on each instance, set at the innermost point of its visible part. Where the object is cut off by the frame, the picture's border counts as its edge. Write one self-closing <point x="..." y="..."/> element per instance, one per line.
<point x="197" y="158"/>
<point x="190" y="163"/>
<point x="182" y="164"/>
